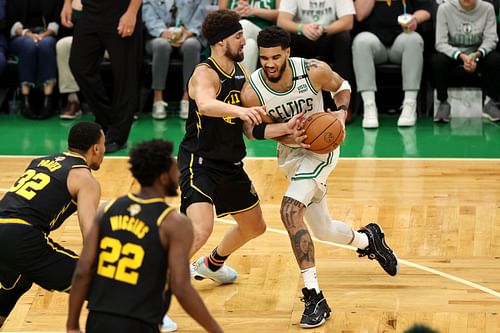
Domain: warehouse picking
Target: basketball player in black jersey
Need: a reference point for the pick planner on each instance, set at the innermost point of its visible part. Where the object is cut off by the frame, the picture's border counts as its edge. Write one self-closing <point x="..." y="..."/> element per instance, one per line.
<point x="49" y="191"/>
<point x="135" y="242"/>
<point x="210" y="155"/>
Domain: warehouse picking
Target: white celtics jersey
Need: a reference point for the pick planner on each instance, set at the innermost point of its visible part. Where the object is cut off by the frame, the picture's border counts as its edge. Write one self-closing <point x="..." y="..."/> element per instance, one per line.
<point x="301" y="96"/>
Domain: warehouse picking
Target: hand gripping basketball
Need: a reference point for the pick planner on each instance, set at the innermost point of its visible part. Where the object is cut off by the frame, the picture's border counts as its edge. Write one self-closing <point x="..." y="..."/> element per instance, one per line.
<point x="325" y="132"/>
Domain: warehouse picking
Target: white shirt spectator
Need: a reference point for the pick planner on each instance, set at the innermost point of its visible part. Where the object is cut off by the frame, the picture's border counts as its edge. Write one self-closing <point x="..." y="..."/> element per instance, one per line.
<point x="317" y="11"/>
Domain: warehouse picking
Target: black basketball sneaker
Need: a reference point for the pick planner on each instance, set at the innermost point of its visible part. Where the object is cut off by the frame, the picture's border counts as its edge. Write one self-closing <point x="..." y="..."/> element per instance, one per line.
<point x="378" y="249"/>
<point x="316" y="310"/>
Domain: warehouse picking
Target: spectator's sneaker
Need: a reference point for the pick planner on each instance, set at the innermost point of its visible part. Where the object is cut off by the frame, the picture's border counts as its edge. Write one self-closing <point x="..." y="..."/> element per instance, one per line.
<point x="408" y="115"/>
<point x="168" y="325"/>
<point x="184" y="111"/>
<point x="378" y="249"/>
<point x="223" y="275"/>
<point x="443" y="112"/>
<point x="316" y="310"/>
<point x="71" y="111"/>
<point x="370" y="116"/>
<point x="159" y="110"/>
<point x="492" y="111"/>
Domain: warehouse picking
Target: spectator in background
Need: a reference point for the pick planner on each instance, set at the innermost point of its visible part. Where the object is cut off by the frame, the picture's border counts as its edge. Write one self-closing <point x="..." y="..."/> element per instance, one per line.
<point x="382" y="39"/>
<point x="466" y="36"/>
<point x="321" y="28"/>
<point x="256" y="15"/>
<point x="115" y="26"/>
<point x="67" y="82"/>
<point x="173" y="25"/>
<point x="3" y="40"/>
<point x="33" y="27"/>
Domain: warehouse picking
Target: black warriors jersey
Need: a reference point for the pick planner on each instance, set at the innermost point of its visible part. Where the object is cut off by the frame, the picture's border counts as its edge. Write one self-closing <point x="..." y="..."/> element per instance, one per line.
<point x="217" y="138"/>
<point x="40" y="196"/>
<point x="131" y="264"/>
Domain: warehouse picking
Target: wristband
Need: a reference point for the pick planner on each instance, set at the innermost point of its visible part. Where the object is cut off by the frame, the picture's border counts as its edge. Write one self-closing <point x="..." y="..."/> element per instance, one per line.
<point x="299" y="29"/>
<point x="259" y="131"/>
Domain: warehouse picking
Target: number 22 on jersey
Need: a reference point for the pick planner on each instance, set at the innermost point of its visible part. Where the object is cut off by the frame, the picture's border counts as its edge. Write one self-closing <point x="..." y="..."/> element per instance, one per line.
<point x="120" y="262"/>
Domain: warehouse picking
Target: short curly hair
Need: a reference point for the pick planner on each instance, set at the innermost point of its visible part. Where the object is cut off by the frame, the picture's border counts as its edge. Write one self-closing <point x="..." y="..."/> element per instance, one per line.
<point x="149" y="159"/>
<point x="84" y="135"/>
<point x="273" y="36"/>
<point x="217" y="22"/>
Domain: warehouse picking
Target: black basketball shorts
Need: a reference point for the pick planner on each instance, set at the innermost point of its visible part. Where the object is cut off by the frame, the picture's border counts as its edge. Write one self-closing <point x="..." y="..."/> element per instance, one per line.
<point x="27" y="251"/>
<point x="223" y="184"/>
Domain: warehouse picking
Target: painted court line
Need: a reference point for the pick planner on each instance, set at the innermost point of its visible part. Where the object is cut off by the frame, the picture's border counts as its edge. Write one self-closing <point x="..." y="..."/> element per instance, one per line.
<point x="402" y="261"/>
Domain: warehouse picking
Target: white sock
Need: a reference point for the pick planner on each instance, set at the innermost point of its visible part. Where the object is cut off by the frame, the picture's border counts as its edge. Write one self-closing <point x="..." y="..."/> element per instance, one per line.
<point x="368" y="97"/>
<point x="411" y="94"/>
<point x="360" y="240"/>
<point x="73" y="97"/>
<point x="310" y="278"/>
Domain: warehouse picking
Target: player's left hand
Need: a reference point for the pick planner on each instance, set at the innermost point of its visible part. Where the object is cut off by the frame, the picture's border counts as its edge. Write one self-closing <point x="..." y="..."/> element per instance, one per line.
<point x="341" y="116"/>
<point x="297" y="122"/>
<point x="126" y="25"/>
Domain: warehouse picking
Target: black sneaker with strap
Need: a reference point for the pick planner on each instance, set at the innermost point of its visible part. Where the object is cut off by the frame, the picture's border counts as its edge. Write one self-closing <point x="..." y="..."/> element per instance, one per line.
<point x="378" y="249"/>
<point x="316" y="310"/>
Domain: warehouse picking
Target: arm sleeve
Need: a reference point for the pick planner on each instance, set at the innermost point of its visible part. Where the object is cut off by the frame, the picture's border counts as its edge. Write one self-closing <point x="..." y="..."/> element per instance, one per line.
<point x="490" y="37"/>
<point x="152" y="21"/>
<point x="442" y="35"/>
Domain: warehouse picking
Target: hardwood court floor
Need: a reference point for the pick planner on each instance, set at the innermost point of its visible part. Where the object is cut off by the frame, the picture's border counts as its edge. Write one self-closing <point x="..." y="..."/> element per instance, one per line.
<point x="441" y="214"/>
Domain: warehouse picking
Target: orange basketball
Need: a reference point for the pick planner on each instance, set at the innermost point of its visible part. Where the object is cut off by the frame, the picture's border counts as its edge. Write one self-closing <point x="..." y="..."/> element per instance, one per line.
<point x="324" y="132"/>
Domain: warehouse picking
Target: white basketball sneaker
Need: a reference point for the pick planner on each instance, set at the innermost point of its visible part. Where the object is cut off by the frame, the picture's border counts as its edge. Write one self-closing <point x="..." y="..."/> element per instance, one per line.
<point x="184" y="111"/>
<point x="370" y="117"/>
<point x="168" y="325"/>
<point x="200" y="271"/>
<point x="408" y="115"/>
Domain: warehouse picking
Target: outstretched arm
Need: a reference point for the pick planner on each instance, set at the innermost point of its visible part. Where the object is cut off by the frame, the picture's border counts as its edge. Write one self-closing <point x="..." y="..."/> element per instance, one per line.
<point x="176" y="233"/>
<point x="203" y="88"/>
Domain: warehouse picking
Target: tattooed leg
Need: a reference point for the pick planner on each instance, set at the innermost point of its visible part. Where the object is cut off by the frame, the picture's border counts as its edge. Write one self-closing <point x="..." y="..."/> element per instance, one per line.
<point x="292" y="215"/>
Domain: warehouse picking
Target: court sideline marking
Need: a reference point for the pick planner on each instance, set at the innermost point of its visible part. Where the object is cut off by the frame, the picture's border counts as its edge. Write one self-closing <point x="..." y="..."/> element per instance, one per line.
<point x="402" y="261"/>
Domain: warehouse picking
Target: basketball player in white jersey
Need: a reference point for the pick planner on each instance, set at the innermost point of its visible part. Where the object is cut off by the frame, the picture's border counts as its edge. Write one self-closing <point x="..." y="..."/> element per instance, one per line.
<point x="288" y="86"/>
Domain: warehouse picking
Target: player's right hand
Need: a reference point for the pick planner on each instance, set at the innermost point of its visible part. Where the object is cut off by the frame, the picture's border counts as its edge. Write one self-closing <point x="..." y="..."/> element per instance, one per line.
<point x="253" y="115"/>
<point x="66" y="15"/>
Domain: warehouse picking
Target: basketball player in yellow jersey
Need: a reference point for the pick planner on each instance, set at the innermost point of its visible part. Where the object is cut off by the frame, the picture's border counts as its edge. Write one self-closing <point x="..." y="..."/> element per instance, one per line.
<point x="50" y="190"/>
<point x="288" y="86"/>
<point x="136" y="241"/>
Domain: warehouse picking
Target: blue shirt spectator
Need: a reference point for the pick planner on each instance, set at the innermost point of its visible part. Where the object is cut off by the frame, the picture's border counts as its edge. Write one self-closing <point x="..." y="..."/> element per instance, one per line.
<point x="173" y="25"/>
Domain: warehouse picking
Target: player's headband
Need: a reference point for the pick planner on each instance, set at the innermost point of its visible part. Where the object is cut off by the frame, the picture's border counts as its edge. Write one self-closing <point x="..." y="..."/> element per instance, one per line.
<point x="226" y="33"/>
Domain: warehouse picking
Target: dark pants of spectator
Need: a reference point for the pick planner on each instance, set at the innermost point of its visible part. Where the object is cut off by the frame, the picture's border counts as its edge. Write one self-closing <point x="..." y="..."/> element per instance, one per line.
<point x="37" y="61"/>
<point x="334" y="49"/>
<point x="87" y="51"/>
<point x="489" y="67"/>
<point x="3" y="54"/>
